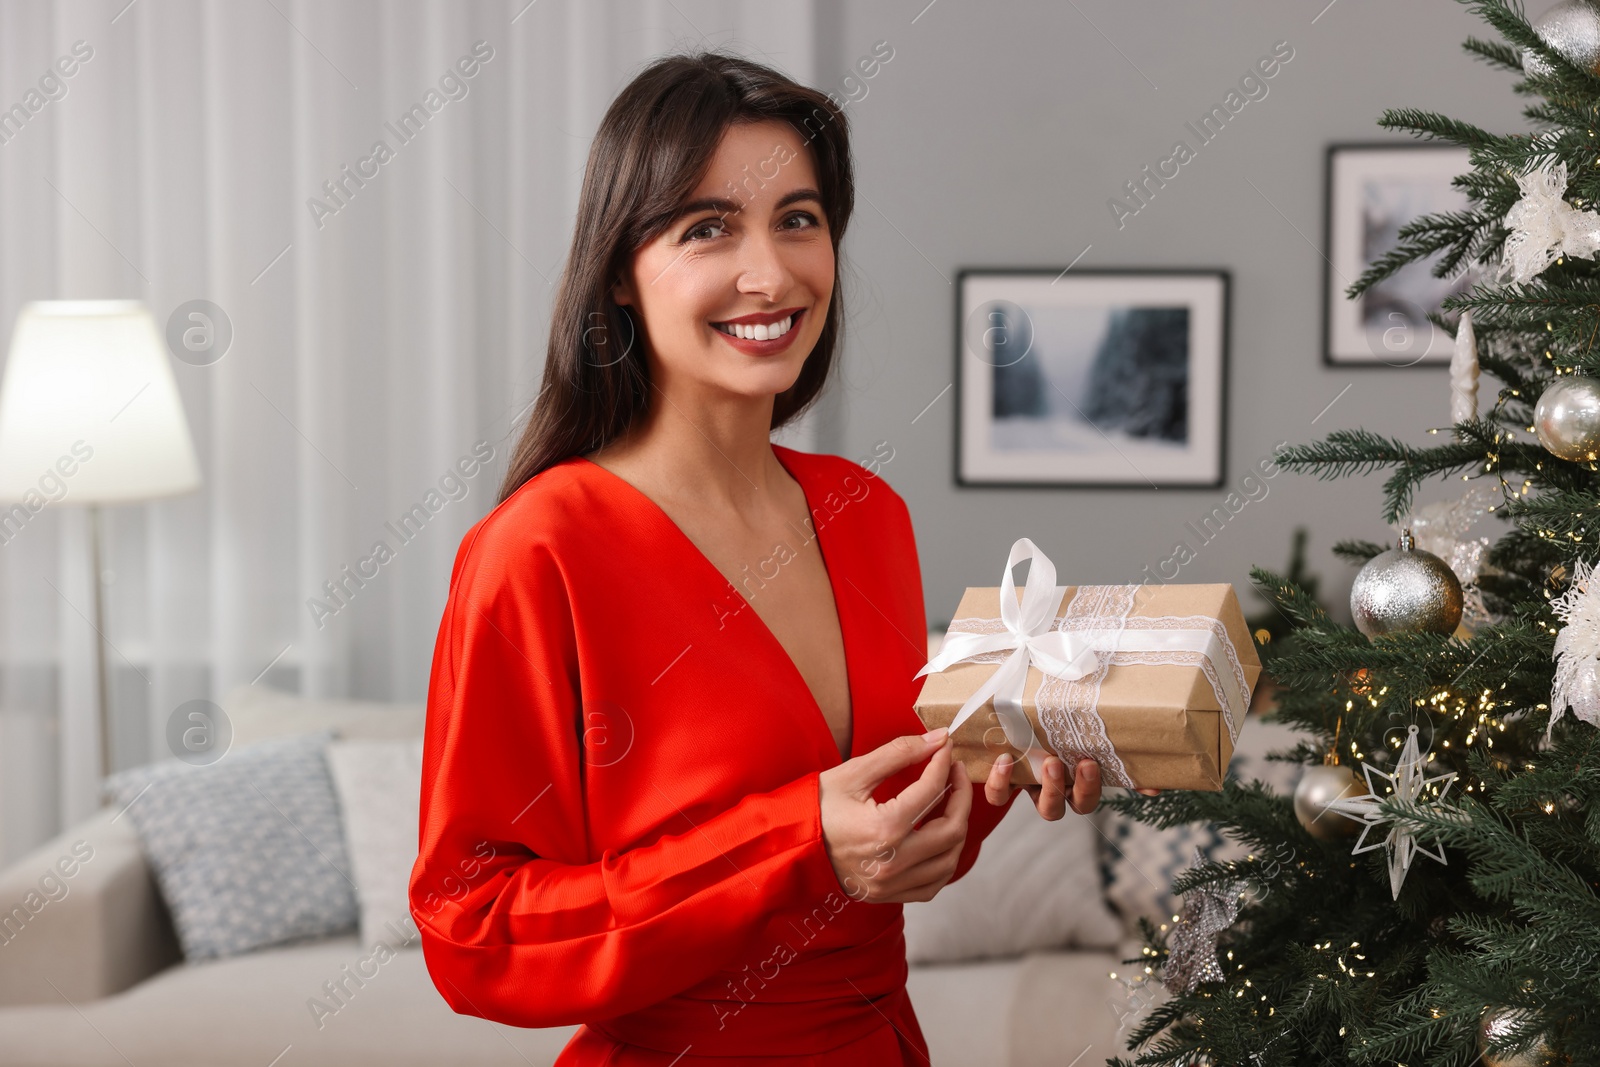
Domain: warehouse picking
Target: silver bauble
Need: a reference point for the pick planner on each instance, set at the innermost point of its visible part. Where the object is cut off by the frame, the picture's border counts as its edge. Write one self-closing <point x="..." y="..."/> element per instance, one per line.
<point x="1318" y="787"/>
<point x="1497" y="1022"/>
<point x="1572" y="28"/>
<point x="1406" y="590"/>
<point x="1567" y="418"/>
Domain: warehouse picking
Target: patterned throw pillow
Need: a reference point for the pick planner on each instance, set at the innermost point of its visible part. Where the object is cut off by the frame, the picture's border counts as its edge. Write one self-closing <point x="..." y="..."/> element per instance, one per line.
<point x="1139" y="861"/>
<point x="247" y="851"/>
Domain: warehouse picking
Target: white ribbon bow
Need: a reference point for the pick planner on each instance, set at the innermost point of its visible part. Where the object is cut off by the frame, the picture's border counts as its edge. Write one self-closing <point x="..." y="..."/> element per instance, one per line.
<point x="1030" y="636"/>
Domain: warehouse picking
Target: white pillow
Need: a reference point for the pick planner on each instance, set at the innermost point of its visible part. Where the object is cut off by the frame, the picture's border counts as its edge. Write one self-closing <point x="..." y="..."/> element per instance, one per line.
<point x="1036" y="885"/>
<point x="380" y="791"/>
<point x="257" y="713"/>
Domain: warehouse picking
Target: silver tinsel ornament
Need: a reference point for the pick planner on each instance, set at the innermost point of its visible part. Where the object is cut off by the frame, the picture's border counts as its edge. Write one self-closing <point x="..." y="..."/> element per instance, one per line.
<point x="1319" y="787"/>
<point x="1572" y="28"/>
<point x="1208" y="910"/>
<point x="1567" y="418"/>
<point x="1406" y="590"/>
<point x="1499" y="1022"/>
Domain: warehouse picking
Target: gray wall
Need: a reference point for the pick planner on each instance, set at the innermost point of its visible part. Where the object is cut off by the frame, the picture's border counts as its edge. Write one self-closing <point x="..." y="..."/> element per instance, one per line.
<point x="996" y="135"/>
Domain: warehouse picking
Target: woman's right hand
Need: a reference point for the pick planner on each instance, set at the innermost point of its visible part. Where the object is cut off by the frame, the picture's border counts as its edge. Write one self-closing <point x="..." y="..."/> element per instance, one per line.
<point x="879" y="853"/>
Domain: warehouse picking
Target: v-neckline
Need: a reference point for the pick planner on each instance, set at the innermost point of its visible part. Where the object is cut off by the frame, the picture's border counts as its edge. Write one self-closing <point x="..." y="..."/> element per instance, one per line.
<point x="819" y="718"/>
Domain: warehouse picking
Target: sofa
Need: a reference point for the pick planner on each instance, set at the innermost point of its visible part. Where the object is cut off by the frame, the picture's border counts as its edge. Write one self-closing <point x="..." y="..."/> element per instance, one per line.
<point x="95" y="975"/>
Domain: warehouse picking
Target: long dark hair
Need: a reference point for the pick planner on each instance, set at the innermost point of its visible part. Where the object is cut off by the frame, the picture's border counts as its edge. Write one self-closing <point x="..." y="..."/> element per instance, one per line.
<point x="653" y="147"/>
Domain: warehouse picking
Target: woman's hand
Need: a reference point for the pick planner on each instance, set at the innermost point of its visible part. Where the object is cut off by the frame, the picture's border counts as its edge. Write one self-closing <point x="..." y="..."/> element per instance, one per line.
<point x="1052" y="798"/>
<point x="879" y="853"/>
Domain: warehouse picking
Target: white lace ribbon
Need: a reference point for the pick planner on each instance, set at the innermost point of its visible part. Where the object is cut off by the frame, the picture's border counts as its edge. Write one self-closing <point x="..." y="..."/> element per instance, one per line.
<point x="1031" y="634"/>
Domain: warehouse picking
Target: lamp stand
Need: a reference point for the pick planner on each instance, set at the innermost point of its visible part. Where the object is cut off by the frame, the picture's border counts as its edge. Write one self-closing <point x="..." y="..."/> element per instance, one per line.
<point x="100" y="641"/>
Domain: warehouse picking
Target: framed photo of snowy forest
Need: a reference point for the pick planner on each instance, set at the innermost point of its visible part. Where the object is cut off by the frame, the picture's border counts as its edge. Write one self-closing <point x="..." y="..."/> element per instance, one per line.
<point x="1091" y="378"/>
<point x="1374" y="190"/>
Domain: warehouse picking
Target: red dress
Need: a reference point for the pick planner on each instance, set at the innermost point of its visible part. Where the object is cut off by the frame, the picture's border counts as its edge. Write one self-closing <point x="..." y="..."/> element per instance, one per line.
<point x="620" y="822"/>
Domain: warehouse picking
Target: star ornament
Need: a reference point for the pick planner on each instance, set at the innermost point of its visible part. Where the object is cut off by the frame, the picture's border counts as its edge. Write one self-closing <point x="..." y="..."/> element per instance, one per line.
<point x="1407" y="784"/>
<point x="1208" y="910"/>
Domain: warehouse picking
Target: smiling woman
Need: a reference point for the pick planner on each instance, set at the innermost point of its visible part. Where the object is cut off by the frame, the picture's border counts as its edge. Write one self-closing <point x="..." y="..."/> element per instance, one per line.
<point x="722" y="256"/>
<point x="660" y="175"/>
<point x="704" y="823"/>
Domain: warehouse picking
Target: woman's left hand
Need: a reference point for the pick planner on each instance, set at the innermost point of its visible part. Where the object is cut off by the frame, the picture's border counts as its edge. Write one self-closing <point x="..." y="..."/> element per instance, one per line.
<point x="1053" y="797"/>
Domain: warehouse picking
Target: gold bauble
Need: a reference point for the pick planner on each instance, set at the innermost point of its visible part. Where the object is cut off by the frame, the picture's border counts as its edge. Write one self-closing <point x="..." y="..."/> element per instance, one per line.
<point x="1497" y="1022"/>
<point x="1320" y="786"/>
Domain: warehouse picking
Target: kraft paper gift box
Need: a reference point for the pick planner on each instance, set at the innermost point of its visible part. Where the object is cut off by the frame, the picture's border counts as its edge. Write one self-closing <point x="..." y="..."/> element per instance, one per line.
<point x="1151" y="681"/>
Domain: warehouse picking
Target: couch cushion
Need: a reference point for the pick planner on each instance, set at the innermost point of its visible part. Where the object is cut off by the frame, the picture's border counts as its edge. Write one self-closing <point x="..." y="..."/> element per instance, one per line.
<point x="250" y="1009"/>
<point x="257" y="713"/>
<point x="1045" y="1009"/>
<point x="248" y="851"/>
<point x="1069" y="1010"/>
<point x="380" y="793"/>
<point x="1036" y="885"/>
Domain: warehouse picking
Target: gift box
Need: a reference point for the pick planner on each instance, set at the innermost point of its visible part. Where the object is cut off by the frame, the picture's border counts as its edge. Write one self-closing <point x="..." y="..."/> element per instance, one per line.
<point x="1151" y="681"/>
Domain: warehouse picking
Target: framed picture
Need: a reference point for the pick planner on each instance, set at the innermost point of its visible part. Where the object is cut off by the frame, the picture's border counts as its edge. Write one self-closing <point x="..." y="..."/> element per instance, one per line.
<point x="1373" y="190"/>
<point x="1094" y="378"/>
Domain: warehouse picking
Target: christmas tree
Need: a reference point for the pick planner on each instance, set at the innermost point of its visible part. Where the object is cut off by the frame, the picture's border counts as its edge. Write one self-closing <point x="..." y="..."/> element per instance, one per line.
<point x="1431" y="895"/>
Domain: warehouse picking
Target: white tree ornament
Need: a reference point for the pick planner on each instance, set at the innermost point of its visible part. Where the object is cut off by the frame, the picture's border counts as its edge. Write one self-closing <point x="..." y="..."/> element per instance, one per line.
<point x="1464" y="372"/>
<point x="1577" y="655"/>
<point x="1544" y="227"/>
<point x="1409" y="783"/>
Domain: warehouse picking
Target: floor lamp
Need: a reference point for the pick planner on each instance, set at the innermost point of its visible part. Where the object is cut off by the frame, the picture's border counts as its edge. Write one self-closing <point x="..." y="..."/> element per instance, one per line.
<point x="90" y="414"/>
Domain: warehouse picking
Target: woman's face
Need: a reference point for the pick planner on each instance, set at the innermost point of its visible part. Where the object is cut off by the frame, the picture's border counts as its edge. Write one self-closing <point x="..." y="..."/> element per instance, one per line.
<point x="733" y="294"/>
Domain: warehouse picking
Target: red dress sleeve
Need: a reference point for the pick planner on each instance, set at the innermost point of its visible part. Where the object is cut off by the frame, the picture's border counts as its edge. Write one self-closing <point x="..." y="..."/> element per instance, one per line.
<point x="517" y="923"/>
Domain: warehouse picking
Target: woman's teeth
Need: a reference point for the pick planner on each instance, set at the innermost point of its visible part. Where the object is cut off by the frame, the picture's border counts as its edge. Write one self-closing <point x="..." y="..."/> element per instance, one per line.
<point x="758" y="332"/>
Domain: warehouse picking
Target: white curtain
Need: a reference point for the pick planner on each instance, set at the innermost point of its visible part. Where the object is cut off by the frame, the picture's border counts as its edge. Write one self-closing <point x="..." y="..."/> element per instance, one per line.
<point x="374" y="344"/>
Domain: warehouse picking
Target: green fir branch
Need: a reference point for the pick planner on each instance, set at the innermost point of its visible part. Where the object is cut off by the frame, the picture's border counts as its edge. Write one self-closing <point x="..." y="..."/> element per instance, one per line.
<point x="1491" y="188"/>
<point x="1416" y="1029"/>
<point x="1429" y="125"/>
<point x="1451" y="232"/>
<point x="1511" y="373"/>
<point x="1495" y="53"/>
<point x="1358" y="552"/>
<point x="1346" y="453"/>
<point x="1288" y="598"/>
<point x="1571" y="517"/>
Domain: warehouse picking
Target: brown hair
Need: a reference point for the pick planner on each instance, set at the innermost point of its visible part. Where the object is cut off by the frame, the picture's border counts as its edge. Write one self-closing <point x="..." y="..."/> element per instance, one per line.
<point x="653" y="147"/>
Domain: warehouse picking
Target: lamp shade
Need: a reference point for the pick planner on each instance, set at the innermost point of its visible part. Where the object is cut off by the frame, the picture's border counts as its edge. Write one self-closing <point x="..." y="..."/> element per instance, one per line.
<point x="89" y="409"/>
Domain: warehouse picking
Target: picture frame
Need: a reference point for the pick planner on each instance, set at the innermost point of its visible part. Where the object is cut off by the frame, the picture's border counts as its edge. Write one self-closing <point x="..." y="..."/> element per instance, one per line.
<point x="1372" y="189"/>
<point x="1117" y="378"/>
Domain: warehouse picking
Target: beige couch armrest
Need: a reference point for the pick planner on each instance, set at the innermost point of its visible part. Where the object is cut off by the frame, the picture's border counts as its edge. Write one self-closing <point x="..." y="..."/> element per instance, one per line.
<point x="81" y="917"/>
